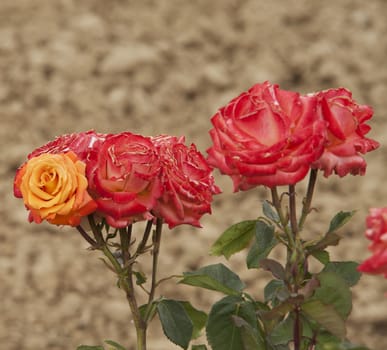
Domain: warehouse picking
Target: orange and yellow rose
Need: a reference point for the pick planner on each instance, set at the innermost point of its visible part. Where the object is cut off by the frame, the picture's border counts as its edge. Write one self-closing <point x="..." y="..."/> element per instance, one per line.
<point x="54" y="188"/>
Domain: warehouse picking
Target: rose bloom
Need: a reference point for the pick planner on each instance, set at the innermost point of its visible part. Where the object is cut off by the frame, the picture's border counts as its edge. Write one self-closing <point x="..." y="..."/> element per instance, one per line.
<point x="80" y="143"/>
<point x="54" y="188"/>
<point x="376" y="223"/>
<point x="376" y="231"/>
<point x="187" y="181"/>
<point x="377" y="263"/>
<point x="266" y="136"/>
<point x="124" y="178"/>
<point x="346" y="129"/>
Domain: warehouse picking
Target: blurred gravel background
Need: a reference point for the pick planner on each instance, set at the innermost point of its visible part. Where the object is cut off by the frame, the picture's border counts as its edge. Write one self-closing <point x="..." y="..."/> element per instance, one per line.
<point x="155" y="67"/>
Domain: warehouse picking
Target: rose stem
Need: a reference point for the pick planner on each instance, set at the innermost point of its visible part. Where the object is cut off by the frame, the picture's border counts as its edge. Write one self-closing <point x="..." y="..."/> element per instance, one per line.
<point x="284" y="221"/>
<point x="125" y="234"/>
<point x="140" y="323"/>
<point x="306" y="207"/>
<point x="96" y="232"/>
<point x="307" y="202"/>
<point x="145" y="237"/>
<point x="86" y="236"/>
<point x="125" y="281"/>
<point x="156" y="249"/>
<point x="292" y="210"/>
<point x="295" y="264"/>
<point x="297" y="329"/>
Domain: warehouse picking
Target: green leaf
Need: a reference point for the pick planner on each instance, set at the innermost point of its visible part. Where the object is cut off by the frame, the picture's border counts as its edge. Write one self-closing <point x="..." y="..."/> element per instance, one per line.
<point x="280" y="347"/>
<point x="197" y="317"/>
<point x="251" y="338"/>
<point x="334" y="291"/>
<point x="327" y="341"/>
<point x="265" y="241"/>
<point x="115" y="344"/>
<point x="309" y="287"/>
<point x="140" y="277"/>
<point x="230" y="320"/>
<point x="347" y="270"/>
<point x="90" y="347"/>
<point x="330" y="239"/>
<point x="322" y="256"/>
<point x="176" y="324"/>
<point x="274" y="267"/>
<point x="339" y="220"/>
<point x="278" y="312"/>
<point x="326" y="316"/>
<point x="214" y="277"/>
<point x="259" y="305"/>
<point x="282" y="334"/>
<point x="348" y="346"/>
<point x="275" y="290"/>
<point x="199" y="347"/>
<point x="151" y="313"/>
<point x="269" y="212"/>
<point x="234" y="239"/>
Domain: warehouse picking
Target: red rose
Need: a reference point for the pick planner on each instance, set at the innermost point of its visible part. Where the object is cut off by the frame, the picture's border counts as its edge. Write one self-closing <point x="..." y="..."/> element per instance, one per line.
<point x="187" y="181"/>
<point x="377" y="263"/>
<point x="266" y="136"/>
<point x="376" y="231"/>
<point x="377" y="225"/>
<point x="346" y="129"/>
<point x="80" y="143"/>
<point x="124" y="178"/>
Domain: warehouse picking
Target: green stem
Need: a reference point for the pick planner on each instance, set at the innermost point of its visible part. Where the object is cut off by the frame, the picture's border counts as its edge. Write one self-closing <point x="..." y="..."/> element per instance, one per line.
<point x="277" y="205"/>
<point x="297" y="334"/>
<point x="125" y="243"/>
<point x="126" y="283"/>
<point x="84" y="234"/>
<point x="155" y="251"/>
<point x="117" y="266"/>
<point x="284" y="221"/>
<point x="145" y="237"/>
<point x="125" y="276"/>
<point x="168" y="278"/>
<point x="307" y="202"/>
<point x="127" y="279"/>
<point x="313" y="341"/>
<point x="292" y="211"/>
<point x="96" y="232"/>
<point x="294" y="264"/>
<point x="139" y="323"/>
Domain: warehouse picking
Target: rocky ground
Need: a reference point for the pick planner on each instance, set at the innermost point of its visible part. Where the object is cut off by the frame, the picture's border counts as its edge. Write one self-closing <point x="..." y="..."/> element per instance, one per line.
<point x="155" y="67"/>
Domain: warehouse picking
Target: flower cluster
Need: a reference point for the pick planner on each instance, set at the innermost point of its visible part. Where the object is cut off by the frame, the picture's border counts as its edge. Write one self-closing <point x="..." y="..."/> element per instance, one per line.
<point x="272" y="137"/>
<point x="122" y="177"/>
<point x="376" y="232"/>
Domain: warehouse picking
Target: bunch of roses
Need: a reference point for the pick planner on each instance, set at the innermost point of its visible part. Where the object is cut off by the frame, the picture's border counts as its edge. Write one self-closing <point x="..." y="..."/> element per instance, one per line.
<point x="265" y="136"/>
<point x="122" y="177"/>
<point x="376" y="231"/>
<point x="268" y="136"/>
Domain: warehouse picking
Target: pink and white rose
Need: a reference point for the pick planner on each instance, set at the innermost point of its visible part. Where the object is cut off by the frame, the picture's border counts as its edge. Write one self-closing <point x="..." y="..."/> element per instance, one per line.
<point x="187" y="182"/>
